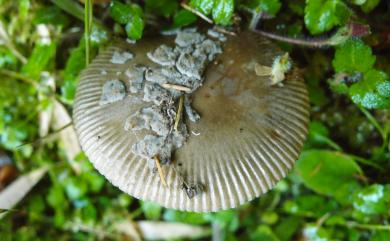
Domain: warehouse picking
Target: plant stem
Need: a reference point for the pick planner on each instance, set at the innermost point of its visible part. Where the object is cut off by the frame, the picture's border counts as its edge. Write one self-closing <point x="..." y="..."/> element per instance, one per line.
<point x="366" y="226"/>
<point x="311" y="43"/>
<point x="375" y="123"/>
<point x="87" y="29"/>
<point x="364" y="161"/>
<point x="77" y="11"/>
<point x="18" y="76"/>
<point x="7" y="42"/>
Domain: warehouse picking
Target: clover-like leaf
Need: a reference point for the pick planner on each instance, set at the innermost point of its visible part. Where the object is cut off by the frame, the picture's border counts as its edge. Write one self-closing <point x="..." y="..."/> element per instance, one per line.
<point x="373" y="92"/>
<point x="373" y="199"/>
<point x="353" y="56"/>
<point x="135" y="27"/>
<point x="204" y="6"/>
<point x="223" y="11"/>
<point x="323" y="15"/>
<point x="271" y="7"/>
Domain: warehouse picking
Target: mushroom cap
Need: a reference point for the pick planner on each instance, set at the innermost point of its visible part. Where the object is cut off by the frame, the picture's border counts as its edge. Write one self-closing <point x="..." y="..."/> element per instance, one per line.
<point x="248" y="138"/>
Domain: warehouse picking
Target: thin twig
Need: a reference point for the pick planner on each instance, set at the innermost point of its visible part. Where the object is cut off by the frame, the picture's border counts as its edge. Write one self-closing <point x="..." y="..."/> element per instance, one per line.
<point x="19" y="76"/>
<point x="312" y="43"/>
<point x="7" y="42"/>
<point x="179" y="112"/>
<point x="366" y="226"/>
<point x="55" y="132"/>
<point x="366" y="162"/>
<point x="374" y="123"/>
<point x="160" y="171"/>
<point x="205" y="18"/>
<point x="196" y="12"/>
<point x="222" y="30"/>
<point x="176" y="87"/>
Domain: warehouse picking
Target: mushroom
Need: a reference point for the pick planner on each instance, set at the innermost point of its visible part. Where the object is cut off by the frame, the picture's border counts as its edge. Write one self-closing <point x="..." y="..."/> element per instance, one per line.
<point x="249" y="134"/>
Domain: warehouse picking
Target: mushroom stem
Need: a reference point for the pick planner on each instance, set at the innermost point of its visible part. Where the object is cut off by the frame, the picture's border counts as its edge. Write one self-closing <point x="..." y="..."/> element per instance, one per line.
<point x="176" y="87"/>
<point x="160" y="171"/>
<point x="179" y="112"/>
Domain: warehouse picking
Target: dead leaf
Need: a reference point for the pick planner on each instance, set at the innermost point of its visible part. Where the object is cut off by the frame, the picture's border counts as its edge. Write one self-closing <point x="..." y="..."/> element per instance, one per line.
<point x="67" y="136"/>
<point x="19" y="188"/>
<point x="153" y="230"/>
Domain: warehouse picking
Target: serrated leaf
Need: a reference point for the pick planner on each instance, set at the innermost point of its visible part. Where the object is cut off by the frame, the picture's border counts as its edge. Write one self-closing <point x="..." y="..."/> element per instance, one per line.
<point x="323" y="15"/>
<point x="327" y="172"/>
<point x="204" y="6"/>
<point x="353" y="56"/>
<point x="135" y="28"/>
<point x="373" y="92"/>
<point x="372" y="199"/>
<point x="271" y="7"/>
<point x="223" y="11"/>
<point x="123" y="13"/>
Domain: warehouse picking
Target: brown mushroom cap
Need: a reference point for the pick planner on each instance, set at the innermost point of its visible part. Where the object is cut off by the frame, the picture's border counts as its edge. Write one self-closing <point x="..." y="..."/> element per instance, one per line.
<point x="248" y="138"/>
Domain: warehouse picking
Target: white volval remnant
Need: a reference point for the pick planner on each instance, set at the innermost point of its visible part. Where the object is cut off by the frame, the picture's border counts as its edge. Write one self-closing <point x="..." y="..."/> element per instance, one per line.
<point x="121" y="58"/>
<point x="103" y="72"/>
<point x="281" y="65"/>
<point x="113" y="90"/>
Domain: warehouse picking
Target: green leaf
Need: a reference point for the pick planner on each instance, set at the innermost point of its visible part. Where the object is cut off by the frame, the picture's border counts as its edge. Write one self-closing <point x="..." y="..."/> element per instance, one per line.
<point x="323" y="15"/>
<point x="380" y="236"/>
<point x="319" y="135"/>
<point x="264" y="233"/>
<point x="271" y="7"/>
<point x="56" y="197"/>
<point x="372" y="199"/>
<point x="369" y="5"/>
<point x="312" y="205"/>
<point x="123" y="13"/>
<point x="95" y="181"/>
<point x="74" y="65"/>
<point x="75" y="188"/>
<point x="204" y="6"/>
<point x="39" y="59"/>
<point x="327" y="172"/>
<point x="373" y="92"/>
<point x="184" y="217"/>
<point x="287" y="228"/>
<point x="151" y="210"/>
<point x="353" y="56"/>
<point x="51" y="15"/>
<point x="223" y="11"/>
<point x="135" y="28"/>
<point x="226" y="219"/>
<point x="314" y="233"/>
<point x="183" y="18"/>
<point x="165" y="8"/>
